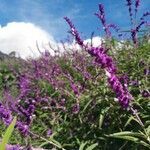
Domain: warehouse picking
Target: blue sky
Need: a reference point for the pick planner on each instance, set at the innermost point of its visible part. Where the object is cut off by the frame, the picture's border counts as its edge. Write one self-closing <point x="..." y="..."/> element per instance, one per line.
<point x="49" y="14"/>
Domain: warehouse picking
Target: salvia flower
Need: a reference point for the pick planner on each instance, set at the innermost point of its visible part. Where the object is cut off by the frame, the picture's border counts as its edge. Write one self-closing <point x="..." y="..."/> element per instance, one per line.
<point x="115" y="27"/>
<point x="102" y="58"/>
<point x="135" y="28"/>
<point x="22" y="127"/>
<point x="13" y="147"/>
<point x="122" y="94"/>
<point x="107" y="63"/>
<point x="134" y="83"/>
<point x="76" y="108"/>
<point x="145" y="15"/>
<point x="137" y="4"/>
<point x="129" y="4"/>
<point x="49" y="132"/>
<point x="75" y="89"/>
<point x="140" y="25"/>
<point x="5" y="114"/>
<point x="101" y="16"/>
<point x="24" y="85"/>
<point x="145" y="93"/>
<point x="62" y="102"/>
<point x="141" y="63"/>
<point x="135" y="31"/>
<point x="134" y="35"/>
<point x="147" y="71"/>
<point x="74" y="31"/>
<point x="124" y="79"/>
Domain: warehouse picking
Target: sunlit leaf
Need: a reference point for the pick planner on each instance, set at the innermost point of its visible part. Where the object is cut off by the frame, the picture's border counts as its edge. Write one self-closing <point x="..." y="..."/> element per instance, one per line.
<point x="92" y="146"/>
<point x="8" y="134"/>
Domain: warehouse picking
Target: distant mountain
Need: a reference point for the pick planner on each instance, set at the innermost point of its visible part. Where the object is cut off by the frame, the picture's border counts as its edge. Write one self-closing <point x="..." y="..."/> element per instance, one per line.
<point x="5" y="56"/>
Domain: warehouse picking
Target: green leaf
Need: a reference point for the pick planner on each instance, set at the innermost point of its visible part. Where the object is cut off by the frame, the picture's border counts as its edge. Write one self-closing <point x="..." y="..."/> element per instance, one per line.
<point x="43" y="144"/>
<point x="82" y="146"/>
<point x="56" y="142"/>
<point x="127" y="133"/>
<point x="128" y="121"/>
<point x="148" y="130"/>
<point x="133" y="139"/>
<point x="85" y="107"/>
<point x="131" y="136"/>
<point x="92" y="146"/>
<point x="101" y="119"/>
<point x="7" y="134"/>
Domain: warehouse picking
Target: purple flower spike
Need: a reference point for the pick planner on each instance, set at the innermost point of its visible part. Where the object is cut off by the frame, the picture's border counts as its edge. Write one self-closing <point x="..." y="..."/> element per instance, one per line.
<point x="129" y="4"/>
<point x="101" y="16"/>
<point x="135" y="83"/>
<point x="106" y="62"/>
<point x="23" y="128"/>
<point x="145" y="15"/>
<point x="13" y="147"/>
<point x="122" y="95"/>
<point x="75" y="109"/>
<point x="75" y="89"/>
<point x="135" y="31"/>
<point x="137" y="4"/>
<point x="49" y="132"/>
<point x="134" y="35"/>
<point x="147" y="71"/>
<point x="24" y="85"/>
<point x="74" y="32"/>
<point x="5" y="114"/>
<point x="145" y="93"/>
<point x="62" y="102"/>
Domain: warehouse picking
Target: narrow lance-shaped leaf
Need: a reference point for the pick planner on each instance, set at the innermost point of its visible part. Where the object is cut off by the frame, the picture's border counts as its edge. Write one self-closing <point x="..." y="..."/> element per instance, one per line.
<point x="7" y="134"/>
<point x="82" y="146"/>
<point x="92" y="146"/>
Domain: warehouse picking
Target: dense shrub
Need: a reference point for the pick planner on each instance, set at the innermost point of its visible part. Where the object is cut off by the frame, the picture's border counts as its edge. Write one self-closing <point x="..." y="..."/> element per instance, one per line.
<point x="74" y="101"/>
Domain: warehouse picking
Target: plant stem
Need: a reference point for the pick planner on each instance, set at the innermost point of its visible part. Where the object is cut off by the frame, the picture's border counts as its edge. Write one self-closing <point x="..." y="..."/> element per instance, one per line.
<point x="44" y="139"/>
<point x="137" y="116"/>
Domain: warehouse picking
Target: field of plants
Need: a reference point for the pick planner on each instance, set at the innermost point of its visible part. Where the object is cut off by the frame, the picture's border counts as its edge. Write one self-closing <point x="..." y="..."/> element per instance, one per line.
<point x="96" y="98"/>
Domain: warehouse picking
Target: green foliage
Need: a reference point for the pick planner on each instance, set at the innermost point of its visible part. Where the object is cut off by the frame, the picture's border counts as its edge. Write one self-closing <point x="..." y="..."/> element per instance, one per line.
<point x="101" y="123"/>
<point x="7" y="134"/>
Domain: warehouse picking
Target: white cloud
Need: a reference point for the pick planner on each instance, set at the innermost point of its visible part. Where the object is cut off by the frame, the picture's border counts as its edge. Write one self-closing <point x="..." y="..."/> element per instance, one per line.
<point x="96" y="41"/>
<point x="21" y="37"/>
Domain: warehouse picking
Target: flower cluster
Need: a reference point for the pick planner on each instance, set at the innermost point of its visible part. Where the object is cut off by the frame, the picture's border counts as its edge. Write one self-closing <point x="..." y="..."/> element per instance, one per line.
<point x="137" y="4"/>
<point x="101" y="16"/>
<point x="145" y="15"/>
<point x="42" y="84"/>
<point x="129" y="4"/>
<point x="74" y="31"/>
<point x="5" y="114"/>
<point x="13" y="147"/>
<point x="53" y="86"/>
<point x="122" y="93"/>
<point x="135" y="27"/>
<point x="107" y="63"/>
<point x="145" y="93"/>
